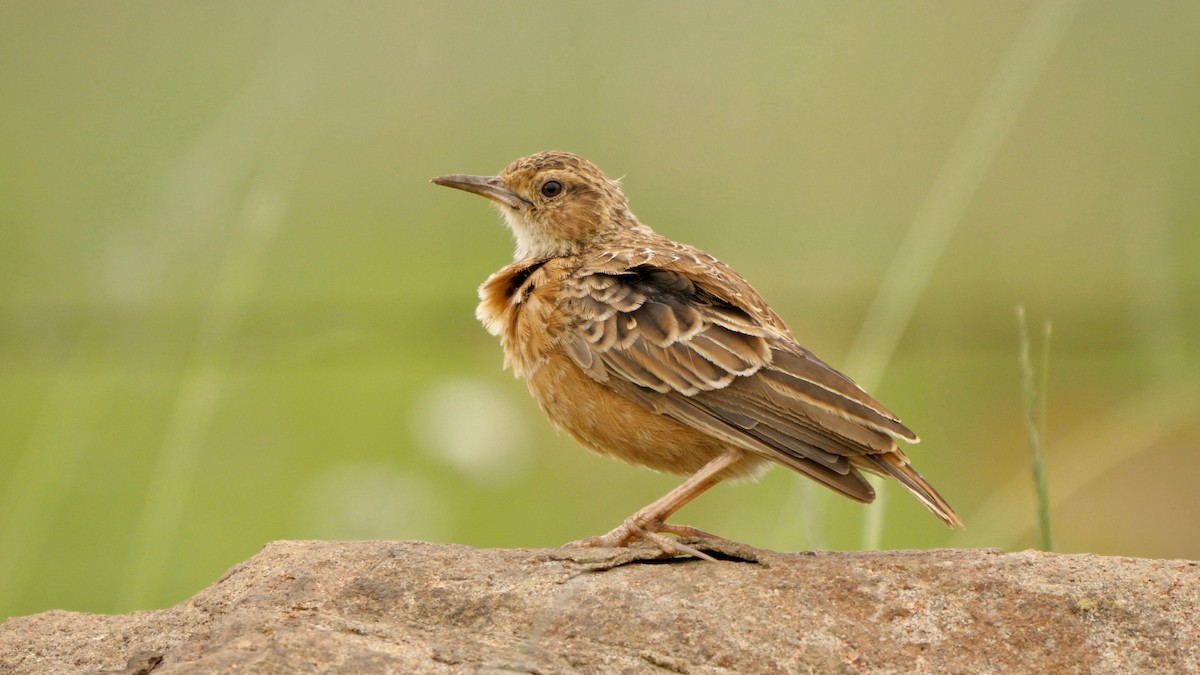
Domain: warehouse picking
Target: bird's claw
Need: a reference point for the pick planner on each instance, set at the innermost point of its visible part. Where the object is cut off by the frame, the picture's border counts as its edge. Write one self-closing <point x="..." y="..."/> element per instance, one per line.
<point x="635" y="528"/>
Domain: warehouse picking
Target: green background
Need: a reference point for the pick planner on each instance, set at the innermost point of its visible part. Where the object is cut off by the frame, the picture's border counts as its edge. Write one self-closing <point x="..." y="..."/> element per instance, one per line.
<point x="233" y="309"/>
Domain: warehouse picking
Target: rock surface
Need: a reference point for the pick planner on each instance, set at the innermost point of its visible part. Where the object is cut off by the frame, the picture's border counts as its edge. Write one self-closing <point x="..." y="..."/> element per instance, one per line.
<point x="379" y="607"/>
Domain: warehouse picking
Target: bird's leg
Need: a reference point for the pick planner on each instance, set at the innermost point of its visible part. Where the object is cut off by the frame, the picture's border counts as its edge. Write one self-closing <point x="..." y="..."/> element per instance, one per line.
<point x="651" y="520"/>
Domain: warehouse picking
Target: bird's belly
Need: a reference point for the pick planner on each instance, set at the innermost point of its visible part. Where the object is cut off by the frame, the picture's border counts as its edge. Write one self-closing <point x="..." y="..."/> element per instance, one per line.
<point x="604" y="421"/>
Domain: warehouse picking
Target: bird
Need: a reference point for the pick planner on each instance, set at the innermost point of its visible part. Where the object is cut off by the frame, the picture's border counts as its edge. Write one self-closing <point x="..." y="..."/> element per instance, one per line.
<point x="659" y="354"/>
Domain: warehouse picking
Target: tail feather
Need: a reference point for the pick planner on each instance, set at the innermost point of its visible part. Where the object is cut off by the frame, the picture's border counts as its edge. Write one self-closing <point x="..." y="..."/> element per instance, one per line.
<point x="896" y="465"/>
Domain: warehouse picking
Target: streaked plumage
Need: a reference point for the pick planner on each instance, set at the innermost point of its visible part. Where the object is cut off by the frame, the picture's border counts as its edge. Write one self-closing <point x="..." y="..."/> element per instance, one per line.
<point x="659" y="354"/>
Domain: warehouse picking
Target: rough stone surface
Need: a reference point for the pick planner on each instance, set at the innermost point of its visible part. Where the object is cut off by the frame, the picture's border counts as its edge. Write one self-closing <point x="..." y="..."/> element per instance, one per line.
<point x="401" y="607"/>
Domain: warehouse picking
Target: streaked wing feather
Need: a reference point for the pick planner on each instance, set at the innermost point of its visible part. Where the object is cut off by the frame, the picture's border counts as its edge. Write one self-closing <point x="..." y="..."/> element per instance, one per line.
<point x="810" y="439"/>
<point x="799" y="374"/>
<point x="799" y="418"/>
<point x="658" y="323"/>
<point x="846" y="481"/>
<point x="729" y="350"/>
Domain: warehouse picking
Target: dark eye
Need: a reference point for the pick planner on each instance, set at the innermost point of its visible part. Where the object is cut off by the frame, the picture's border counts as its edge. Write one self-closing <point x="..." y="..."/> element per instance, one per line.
<point x="551" y="188"/>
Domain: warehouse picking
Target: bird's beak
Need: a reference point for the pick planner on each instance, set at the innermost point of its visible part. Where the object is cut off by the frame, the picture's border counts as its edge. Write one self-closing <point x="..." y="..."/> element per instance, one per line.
<point x="485" y="186"/>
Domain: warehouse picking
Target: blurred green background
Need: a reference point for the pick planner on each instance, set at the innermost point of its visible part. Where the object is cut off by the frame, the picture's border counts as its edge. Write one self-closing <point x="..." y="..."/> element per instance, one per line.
<point x="233" y="309"/>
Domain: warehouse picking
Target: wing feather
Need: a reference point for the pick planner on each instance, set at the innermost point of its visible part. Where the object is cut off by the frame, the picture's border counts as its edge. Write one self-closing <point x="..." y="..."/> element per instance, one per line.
<point x="847" y="482"/>
<point x="729" y="350"/>
<point x="658" y="323"/>
<point x="798" y="374"/>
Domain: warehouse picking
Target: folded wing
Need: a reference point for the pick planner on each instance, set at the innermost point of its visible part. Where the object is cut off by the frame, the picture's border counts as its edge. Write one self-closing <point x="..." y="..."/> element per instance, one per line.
<point x="705" y="351"/>
<point x="661" y="339"/>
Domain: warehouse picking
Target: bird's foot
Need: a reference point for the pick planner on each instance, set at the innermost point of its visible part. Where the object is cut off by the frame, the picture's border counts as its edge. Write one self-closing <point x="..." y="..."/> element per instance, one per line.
<point x="635" y="528"/>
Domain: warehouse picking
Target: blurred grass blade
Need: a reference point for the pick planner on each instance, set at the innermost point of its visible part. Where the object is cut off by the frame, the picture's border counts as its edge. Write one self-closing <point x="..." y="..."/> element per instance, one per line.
<point x="199" y="394"/>
<point x="1035" y="394"/>
<point x="242" y="171"/>
<point x="33" y="494"/>
<point x="996" y="110"/>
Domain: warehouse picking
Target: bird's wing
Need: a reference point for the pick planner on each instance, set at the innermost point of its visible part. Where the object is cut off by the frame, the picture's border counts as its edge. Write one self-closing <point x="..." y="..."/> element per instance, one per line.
<point x="688" y="338"/>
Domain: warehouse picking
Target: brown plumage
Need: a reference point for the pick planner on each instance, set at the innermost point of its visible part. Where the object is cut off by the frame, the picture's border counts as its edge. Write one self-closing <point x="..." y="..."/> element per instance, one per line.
<point x="657" y="353"/>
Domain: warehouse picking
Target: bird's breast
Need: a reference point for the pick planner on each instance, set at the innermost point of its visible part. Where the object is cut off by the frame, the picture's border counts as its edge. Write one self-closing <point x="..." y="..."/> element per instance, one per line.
<point x="519" y="304"/>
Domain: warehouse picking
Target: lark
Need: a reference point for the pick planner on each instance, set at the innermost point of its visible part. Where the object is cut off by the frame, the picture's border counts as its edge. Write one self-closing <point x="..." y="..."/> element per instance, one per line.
<point x="654" y="352"/>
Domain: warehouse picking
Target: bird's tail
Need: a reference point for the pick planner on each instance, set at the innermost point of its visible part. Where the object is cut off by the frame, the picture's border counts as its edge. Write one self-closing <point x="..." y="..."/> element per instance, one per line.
<point x="896" y="465"/>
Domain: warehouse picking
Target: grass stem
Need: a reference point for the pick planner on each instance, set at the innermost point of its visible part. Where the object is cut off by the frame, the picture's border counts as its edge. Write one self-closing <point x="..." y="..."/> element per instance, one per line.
<point x="1035" y="395"/>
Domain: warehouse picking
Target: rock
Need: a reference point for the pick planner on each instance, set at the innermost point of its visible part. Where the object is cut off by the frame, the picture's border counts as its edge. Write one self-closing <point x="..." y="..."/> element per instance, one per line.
<point x="375" y="607"/>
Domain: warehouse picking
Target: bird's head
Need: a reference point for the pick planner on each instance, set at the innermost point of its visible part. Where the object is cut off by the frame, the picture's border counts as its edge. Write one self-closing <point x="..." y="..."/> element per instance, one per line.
<point x="556" y="203"/>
